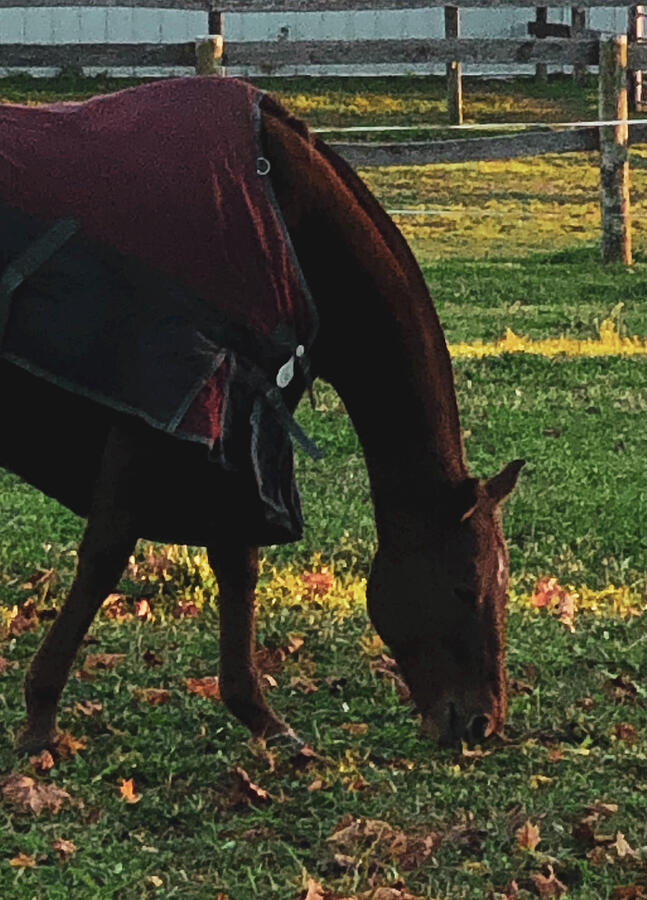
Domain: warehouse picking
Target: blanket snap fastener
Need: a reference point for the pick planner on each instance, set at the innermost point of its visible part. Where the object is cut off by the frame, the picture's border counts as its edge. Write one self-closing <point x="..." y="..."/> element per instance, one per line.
<point x="300" y="351"/>
<point x="286" y="373"/>
<point x="263" y="166"/>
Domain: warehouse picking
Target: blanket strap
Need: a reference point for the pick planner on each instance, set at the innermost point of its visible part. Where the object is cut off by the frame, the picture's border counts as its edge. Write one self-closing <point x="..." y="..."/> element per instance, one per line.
<point x="256" y="378"/>
<point x="29" y="261"/>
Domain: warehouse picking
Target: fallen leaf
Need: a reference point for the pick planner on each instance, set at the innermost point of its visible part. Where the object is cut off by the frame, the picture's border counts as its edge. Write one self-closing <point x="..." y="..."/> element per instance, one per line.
<point x="185" y="609"/>
<point x="527" y="836"/>
<point x="304" y="684"/>
<point x="23" y="861"/>
<point x="412" y="850"/>
<point x="115" y="606"/>
<point x="67" y="746"/>
<point x="127" y="791"/>
<point x="205" y="687"/>
<point x="347" y="833"/>
<point x="548" y="885"/>
<point x="317" y="583"/>
<point x="88" y="707"/>
<point x="516" y="687"/>
<point x="315" y="785"/>
<point x="156" y="882"/>
<point x="549" y="594"/>
<point x="629" y="892"/>
<point x="4" y="665"/>
<point x="64" y="849"/>
<point x="304" y="757"/>
<point x="269" y="660"/>
<point x="43" y="761"/>
<point x="246" y="792"/>
<point x="142" y="609"/>
<point x="624" y="731"/>
<point x="355" y="727"/>
<point x="621" y="689"/>
<point x="536" y="781"/>
<point x="555" y="755"/>
<point x="388" y="667"/>
<point x="25" y="793"/>
<point x="621" y="846"/>
<point x="152" y="696"/>
<point x="103" y="660"/>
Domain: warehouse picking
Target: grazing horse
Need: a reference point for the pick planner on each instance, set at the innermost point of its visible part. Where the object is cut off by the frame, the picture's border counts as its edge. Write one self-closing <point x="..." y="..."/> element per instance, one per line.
<point x="437" y="587"/>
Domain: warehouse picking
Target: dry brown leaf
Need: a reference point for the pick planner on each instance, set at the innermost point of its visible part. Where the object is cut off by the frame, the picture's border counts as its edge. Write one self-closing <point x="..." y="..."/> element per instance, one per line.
<point x="548" y="885"/>
<point x="185" y="609"/>
<point x="304" y="684"/>
<point x="555" y="755"/>
<point x="115" y="606"/>
<point x="88" y="707"/>
<point x="4" y="665"/>
<point x="25" y="793"/>
<point x="103" y="660"/>
<point x="629" y="892"/>
<point x="127" y="791"/>
<point x="347" y="832"/>
<point x="67" y="746"/>
<point x="142" y="609"/>
<point x="549" y="593"/>
<point x="412" y="850"/>
<point x="621" y="846"/>
<point x="624" y="731"/>
<point x="314" y="891"/>
<point x="64" y="849"/>
<point x="315" y="785"/>
<point x="23" y="861"/>
<point x="269" y="660"/>
<point x="245" y="792"/>
<point x="386" y="666"/>
<point x="206" y="687"/>
<point x="152" y="696"/>
<point x="528" y="836"/>
<point x="621" y="689"/>
<point x="355" y="727"/>
<point x="42" y="762"/>
<point x="517" y="687"/>
<point x="387" y="893"/>
<point x="317" y="583"/>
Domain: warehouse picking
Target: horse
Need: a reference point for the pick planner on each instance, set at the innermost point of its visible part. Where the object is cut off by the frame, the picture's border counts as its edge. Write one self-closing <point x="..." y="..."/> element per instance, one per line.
<point x="436" y="593"/>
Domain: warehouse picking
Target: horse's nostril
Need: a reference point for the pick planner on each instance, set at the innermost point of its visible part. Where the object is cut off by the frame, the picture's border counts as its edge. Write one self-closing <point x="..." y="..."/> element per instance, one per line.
<point x="478" y="728"/>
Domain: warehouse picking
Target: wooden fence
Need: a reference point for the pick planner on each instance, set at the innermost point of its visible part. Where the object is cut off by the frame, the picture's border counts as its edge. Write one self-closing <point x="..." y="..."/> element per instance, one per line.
<point x="210" y="54"/>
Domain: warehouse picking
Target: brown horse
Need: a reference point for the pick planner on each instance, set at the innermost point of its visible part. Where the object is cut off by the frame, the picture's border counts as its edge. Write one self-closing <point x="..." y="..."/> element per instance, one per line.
<point x="437" y="588"/>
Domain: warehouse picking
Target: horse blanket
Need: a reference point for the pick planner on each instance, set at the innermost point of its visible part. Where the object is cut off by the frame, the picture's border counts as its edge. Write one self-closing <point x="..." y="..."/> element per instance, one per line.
<point x="146" y="265"/>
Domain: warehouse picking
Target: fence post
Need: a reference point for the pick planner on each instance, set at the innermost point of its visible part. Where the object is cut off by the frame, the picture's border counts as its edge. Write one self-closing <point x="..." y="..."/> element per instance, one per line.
<point x="209" y="50"/>
<point x="578" y="24"/>
<point x="454" y="75"/>
<point x="635" y="32"/>
<point x="614" y="164"/>
<point x="541" y="18"/>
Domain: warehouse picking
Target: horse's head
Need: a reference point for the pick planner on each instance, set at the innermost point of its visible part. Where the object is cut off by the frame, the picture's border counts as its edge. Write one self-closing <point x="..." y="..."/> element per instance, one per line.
<point x="439" y="604"/>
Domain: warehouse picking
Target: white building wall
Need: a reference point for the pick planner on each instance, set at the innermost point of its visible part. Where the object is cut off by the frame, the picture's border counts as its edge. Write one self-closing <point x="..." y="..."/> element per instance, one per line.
<point x="42" y="25"/>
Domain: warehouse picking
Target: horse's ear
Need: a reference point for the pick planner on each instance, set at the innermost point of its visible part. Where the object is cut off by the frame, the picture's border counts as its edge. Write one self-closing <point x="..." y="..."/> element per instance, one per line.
<point x="499" y="486"/>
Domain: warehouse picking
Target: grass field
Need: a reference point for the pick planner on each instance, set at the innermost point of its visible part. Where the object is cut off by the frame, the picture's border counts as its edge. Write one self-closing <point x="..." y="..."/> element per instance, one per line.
<point x="557" y="807"/>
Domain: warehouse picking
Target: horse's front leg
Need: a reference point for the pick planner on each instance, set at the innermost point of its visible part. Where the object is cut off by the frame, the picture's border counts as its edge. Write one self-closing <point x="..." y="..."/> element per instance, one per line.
<point x="236" y="568"/>
<point x="107" y="543"/>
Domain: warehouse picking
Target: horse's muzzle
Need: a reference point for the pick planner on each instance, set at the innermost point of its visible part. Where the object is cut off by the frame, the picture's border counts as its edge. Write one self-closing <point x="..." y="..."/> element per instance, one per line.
<point x="455" y="727"/>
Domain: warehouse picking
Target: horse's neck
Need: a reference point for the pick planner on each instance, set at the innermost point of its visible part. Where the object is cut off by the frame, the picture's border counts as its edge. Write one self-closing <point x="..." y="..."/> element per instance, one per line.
<point x="380" y="343"/>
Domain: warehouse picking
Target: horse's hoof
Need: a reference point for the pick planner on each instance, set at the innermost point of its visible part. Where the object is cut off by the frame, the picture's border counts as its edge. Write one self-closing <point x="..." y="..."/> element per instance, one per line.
<point x="285" y="740"/>
<point x="29" y="743"/>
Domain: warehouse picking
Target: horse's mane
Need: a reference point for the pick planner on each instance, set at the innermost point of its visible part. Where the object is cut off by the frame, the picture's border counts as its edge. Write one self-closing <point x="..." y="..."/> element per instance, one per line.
<point x="390" y="234"/>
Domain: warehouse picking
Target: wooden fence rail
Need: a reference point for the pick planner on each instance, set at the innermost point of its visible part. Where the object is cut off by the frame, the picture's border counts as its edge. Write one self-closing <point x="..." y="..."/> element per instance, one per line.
<point x="208" y="55"/>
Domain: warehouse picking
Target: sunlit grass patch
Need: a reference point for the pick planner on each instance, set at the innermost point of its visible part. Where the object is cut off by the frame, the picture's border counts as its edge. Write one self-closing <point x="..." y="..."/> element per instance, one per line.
<point x="609" y="343"/>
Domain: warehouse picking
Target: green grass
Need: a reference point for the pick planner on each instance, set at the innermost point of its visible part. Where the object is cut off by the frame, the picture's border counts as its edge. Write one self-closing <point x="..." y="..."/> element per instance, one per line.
<point x="579" y="514"/>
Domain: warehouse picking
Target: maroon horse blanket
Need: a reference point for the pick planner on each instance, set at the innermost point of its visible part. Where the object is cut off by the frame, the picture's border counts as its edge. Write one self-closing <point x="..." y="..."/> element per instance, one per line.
<point x="168" y="287"/>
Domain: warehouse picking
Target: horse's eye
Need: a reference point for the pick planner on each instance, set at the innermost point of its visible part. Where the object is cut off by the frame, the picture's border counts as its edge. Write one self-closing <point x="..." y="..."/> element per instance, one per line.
<point x="465" y="596"/>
